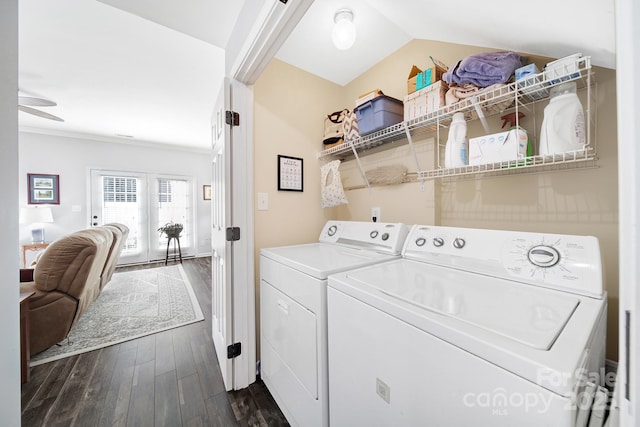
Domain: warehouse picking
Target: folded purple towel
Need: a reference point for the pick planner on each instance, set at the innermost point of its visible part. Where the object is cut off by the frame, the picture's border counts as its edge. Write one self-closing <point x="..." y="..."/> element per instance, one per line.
<point x="484" y="69"/>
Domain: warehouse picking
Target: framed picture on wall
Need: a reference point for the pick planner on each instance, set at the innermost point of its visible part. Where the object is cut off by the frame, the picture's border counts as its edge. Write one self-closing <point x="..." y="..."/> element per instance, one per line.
<point x="43" y="189"/>
<point x="206" y="192"/>
<point x="290" y="173"/>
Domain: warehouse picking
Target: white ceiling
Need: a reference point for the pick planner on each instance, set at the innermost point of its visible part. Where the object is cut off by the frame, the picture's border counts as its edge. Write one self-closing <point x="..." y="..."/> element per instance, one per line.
<point x="150" y="69"/>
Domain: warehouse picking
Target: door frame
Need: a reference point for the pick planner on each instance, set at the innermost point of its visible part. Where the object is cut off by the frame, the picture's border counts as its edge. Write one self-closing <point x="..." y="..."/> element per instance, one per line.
<point x="628" y="105"/>
<point x="261" y="29"/>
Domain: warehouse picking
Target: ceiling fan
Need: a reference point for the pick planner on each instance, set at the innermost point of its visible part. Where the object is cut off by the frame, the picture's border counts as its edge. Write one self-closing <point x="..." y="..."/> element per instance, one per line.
<point x="26" y="102"/>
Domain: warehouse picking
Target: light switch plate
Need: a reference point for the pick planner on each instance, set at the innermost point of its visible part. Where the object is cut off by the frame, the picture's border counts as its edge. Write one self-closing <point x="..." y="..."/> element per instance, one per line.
<point x="263" y="201"/>
<point x="383" y="390"/>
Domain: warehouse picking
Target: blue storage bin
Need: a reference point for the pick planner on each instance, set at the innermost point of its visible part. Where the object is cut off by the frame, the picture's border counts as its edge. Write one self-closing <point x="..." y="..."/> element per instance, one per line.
<point x="379" y="113"/>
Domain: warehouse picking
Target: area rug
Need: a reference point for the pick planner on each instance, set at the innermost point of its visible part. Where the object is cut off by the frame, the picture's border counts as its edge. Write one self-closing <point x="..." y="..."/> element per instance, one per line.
<point x="133" y="304"/>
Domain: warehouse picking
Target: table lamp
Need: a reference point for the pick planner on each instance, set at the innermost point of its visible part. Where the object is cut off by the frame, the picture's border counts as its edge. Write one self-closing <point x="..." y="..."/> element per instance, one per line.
<point x="37" y="217"/>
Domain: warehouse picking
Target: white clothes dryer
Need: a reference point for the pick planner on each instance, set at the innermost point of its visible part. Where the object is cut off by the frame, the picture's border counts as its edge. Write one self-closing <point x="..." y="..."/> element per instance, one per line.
<point x="293" y="329"/>
<point x="470" y="327"/>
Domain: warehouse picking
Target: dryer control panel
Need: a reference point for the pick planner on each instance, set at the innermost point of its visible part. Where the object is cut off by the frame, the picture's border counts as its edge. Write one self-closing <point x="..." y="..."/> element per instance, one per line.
<point x="566" y="262"/>
<point x="383" y="237"/>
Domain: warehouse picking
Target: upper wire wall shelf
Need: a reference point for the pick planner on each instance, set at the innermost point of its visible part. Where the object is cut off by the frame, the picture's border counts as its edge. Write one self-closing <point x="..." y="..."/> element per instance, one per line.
<point x="532" y="89"/>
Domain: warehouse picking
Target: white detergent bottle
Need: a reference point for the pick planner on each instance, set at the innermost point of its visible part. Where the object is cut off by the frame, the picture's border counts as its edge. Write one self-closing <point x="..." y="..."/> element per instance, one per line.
<point x="457" y="148"/>
<point x="563" y="123"/>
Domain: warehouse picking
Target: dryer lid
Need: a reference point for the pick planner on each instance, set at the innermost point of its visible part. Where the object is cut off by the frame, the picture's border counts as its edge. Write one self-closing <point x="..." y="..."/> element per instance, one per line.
<point x="319" y="260"/>
<point x="529" y="315"/>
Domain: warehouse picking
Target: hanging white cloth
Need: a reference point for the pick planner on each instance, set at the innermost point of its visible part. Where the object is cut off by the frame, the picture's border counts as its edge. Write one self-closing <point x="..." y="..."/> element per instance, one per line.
<point x="332" y="191"/>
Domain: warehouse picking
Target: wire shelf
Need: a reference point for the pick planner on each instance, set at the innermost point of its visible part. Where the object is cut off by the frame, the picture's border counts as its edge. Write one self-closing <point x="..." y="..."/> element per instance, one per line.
<point x="367" y="142"/>
<point x="494" y="101"/>
<point x="579" y="159"/>
<point x="488" y="102"/>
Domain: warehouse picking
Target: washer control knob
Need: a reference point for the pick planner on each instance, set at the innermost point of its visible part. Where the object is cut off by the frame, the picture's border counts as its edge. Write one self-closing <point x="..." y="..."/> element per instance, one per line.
<point x="438" y="242"/>
<point x="420" y="241"/>
<point x="543" y="256"/>
<point x="385" y="237"/>
<point x="332" y="230"/>
<point x="373" y="234"/>
<point x="459" y="243"/>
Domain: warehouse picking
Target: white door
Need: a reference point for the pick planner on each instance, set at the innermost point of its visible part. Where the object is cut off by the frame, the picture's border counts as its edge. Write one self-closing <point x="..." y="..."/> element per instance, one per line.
<point x="233" y="291"/>
<point x="144" y="202"/>
<point x="171" y="201"/>
<point x="222" y="255"/>
<point x="121" y="197"/>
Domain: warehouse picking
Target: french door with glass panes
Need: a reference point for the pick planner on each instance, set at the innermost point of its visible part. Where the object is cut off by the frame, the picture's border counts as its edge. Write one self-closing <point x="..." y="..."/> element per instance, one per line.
<point x="144" y="203"/>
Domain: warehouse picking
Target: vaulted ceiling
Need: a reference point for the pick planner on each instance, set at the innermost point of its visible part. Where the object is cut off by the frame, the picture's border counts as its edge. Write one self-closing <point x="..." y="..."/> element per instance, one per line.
<point x="149" y="70"/>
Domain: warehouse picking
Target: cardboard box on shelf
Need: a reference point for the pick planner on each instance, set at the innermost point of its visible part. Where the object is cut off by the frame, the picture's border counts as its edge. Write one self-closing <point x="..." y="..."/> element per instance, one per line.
<point x="498" y="147"/>
<point x="411" y="81"/>
<point x="425" y="101"/>
<point x="419" y="79"/>
<point x="366" y="97"/>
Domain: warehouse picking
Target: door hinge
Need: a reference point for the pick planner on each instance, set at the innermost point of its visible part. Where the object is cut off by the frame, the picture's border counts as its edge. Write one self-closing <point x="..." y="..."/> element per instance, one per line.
<point x="232" y="118"/>
<point x="234" y="350"/>
<point x="627" y="345"/>
<point x="233" y="234"/>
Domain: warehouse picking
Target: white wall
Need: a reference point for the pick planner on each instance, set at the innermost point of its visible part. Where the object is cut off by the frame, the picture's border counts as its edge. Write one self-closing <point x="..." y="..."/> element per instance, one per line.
<point x="9" y="260"/>
<point x="71" y="158"/>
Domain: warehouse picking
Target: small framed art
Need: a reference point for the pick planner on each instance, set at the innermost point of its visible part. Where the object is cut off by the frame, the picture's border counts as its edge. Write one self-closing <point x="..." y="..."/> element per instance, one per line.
<point x="290" y="173"/>
<point x="43" y="189"/>
<point x="206" y="192"/>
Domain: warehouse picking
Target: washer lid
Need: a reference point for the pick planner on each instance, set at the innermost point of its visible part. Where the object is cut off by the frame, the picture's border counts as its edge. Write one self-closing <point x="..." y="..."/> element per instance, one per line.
<point x="319" y="260"/>
<point x="519" y="312"/>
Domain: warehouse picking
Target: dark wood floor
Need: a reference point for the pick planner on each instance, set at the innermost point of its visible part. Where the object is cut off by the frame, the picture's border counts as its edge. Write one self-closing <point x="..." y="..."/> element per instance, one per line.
<point x="167" y="379"/>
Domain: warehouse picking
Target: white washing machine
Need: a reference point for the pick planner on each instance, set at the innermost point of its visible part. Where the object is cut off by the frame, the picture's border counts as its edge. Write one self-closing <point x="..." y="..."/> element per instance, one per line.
<point x="293" y="297"/>
<point x="469" y="327"/>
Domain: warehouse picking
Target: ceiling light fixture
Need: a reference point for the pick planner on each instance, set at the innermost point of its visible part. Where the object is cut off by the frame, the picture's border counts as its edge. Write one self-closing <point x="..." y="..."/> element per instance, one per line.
<point x="344" y="32"/>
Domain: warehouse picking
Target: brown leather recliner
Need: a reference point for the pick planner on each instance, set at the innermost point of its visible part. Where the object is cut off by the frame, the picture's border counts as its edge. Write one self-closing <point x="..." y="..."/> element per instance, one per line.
<point x="120" y="234"/>
<point x="66" y="281"/>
